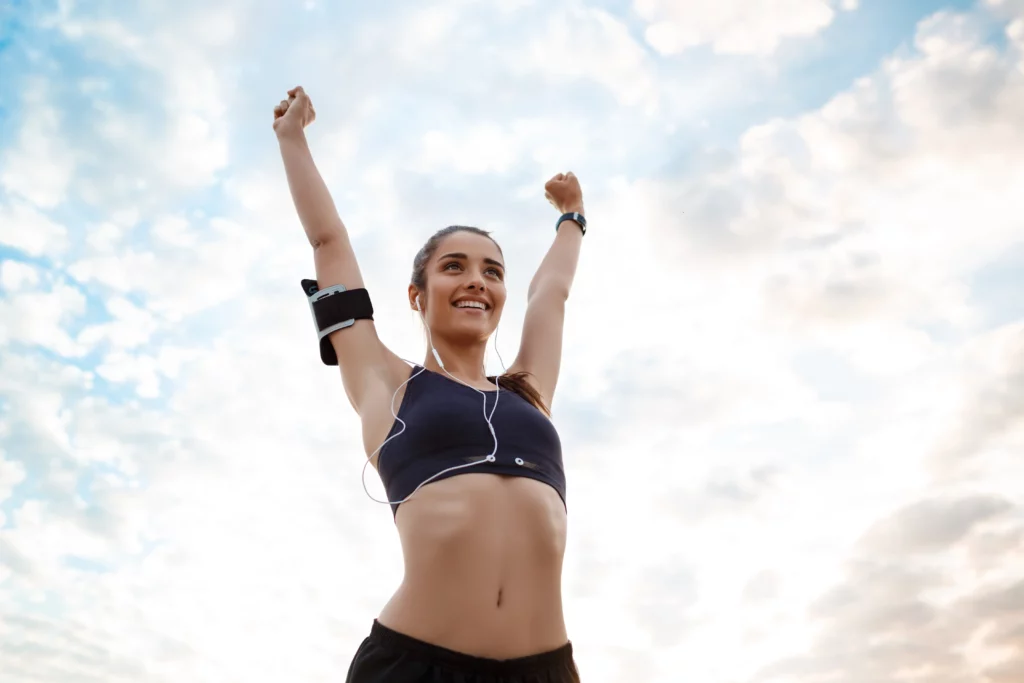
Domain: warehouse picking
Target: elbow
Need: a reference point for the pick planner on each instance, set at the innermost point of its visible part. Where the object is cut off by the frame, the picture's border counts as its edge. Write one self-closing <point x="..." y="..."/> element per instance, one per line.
<point x="325" y="238"/>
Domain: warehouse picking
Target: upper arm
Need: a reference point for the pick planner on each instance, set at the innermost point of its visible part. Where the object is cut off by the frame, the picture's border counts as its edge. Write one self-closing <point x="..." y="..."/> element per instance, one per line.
<point x="366" y="364"/>
<point x="540" y="351"/>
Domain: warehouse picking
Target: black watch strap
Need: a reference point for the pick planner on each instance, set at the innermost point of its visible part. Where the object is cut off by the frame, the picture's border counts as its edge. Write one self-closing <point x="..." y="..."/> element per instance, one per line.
<point x="574" y="216"/>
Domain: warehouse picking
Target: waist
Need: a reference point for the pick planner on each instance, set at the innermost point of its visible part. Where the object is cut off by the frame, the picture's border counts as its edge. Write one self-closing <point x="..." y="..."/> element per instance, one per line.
<point x="483" y="561"/>
<point x="543" y="664"/>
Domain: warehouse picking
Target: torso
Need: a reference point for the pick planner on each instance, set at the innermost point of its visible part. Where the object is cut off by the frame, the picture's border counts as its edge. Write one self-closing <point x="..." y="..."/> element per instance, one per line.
<point x="483" y="559"/>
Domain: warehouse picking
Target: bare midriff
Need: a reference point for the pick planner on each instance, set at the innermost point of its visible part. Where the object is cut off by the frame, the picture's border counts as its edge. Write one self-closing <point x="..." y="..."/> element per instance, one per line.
<point x="483" y="566"/>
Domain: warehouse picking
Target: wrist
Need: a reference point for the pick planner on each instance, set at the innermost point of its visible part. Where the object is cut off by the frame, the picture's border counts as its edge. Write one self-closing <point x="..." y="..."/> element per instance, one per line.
<point x="579" y="220"/>
<point x="575" y="208"/>
<point x="289" y="132"/>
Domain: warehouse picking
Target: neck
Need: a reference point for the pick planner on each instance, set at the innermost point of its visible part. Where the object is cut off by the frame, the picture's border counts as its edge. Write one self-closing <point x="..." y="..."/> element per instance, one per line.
<point x="463" y="361"/>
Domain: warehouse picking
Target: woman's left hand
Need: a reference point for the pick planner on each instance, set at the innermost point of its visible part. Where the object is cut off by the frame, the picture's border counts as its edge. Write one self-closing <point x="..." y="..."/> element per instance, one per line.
<point x="564" y="193"/>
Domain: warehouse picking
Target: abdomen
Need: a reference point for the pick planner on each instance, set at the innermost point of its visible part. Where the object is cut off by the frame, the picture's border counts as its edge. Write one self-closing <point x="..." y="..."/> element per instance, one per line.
<point x="483" y="564"/>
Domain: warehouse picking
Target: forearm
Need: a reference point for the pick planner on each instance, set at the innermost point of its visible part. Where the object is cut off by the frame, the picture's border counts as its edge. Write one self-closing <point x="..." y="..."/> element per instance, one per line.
<point x="558" y="269"/>
<point x="313" y="202"/>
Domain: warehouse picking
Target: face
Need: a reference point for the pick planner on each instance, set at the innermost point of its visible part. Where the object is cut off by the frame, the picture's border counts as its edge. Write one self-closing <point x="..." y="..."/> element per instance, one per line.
<point x="465" y="268"/>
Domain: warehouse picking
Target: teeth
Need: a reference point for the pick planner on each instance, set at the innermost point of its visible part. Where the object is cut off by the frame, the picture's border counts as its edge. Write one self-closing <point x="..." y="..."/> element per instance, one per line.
<point x="470" y="304"/>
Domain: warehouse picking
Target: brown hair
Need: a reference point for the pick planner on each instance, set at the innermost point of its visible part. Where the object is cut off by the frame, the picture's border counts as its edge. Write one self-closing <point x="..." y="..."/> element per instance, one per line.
<point x="515" y="382"/>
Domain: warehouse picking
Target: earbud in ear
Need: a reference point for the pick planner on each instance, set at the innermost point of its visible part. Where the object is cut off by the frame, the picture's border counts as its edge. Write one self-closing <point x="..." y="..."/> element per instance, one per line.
<point x="418" y="303"/>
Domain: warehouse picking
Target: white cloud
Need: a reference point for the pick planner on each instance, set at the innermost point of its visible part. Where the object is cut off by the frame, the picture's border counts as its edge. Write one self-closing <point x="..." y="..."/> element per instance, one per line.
<point x="855" y="213"/>
<point x="181" y="279"/>
<point x="24" y="228"/>
<point x="153" y="161"/>
<point x="140" y="370"/>
<point x="105" y="237"/>
<point x="39" y="317"/>
<point x="12" y="473"/>
<point x="733" y="26"/>
<point x="483" y="149"/>
<point x="603" y="51"/>
<point x="131" y="326"/>
<point x="40" y="165"/>
<point x="1009" y="9"/>
<point x="15" y="275"/>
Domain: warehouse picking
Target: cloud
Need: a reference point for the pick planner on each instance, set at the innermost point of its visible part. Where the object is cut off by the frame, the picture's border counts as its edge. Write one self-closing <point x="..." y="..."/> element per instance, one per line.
<point x="881" y="624"/>
<point x="837" y="207"/>
<point x="605" y="53"/>
<point x="15" y="275"/>
<point x="762" y="587"/>
<point x="12" y="473"/>
<point x="41" y="164"/>
<point x="30" y="231"/>
<point x="931" y="525"/>
<point x="39" y="317"/>
<point x="734" y="26"/>
<point x="990" y="414"/>
<point x="158" y="157"/>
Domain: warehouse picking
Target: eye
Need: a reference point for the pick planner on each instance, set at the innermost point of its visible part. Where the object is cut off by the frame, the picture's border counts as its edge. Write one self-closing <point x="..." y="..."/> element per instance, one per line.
<point x="497" y="273"/>
<point x="449" y="265"/>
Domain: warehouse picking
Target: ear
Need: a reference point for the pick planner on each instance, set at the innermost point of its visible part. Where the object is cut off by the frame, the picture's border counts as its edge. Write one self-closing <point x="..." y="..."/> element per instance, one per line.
<point x="415" y="300"/>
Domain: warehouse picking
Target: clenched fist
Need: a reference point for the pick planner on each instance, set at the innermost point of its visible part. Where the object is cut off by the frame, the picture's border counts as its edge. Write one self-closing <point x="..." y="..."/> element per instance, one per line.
<point x="295" y="113"/>
<point x="564" y="193"/>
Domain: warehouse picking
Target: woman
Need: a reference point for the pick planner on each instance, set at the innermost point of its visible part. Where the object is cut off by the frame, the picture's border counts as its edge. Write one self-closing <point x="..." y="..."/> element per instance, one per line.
<point x="472" y="464"/>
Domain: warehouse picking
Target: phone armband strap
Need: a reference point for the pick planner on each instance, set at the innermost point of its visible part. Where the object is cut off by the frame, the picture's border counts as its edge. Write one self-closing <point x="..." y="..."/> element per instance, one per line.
<point x="333" y="309"/>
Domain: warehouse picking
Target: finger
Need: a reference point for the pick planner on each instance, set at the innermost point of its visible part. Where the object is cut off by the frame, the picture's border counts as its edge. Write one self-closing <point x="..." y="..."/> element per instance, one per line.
<point x="570" y="174"/>
<point x="296" y="90"/>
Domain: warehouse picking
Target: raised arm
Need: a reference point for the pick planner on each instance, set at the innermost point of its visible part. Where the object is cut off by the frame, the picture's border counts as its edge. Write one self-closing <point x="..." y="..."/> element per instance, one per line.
<point x="540" y="351"/>
<point x="366" y="364"/>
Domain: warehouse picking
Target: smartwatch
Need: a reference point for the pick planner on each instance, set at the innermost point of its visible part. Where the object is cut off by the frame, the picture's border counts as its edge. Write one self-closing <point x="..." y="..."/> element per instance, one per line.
<point x="574" y="216"/>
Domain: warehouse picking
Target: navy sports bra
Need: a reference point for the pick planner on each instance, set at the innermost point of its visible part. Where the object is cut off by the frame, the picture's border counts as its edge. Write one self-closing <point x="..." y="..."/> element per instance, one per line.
<point x="445" y="426"/>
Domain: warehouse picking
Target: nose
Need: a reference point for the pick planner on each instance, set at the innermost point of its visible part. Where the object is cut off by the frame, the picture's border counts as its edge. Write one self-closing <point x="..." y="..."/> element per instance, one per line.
<point x="476" y="281"/>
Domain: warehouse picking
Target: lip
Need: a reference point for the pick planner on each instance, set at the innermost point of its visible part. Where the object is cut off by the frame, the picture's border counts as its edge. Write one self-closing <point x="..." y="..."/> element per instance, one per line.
<point x="471" y="310"/>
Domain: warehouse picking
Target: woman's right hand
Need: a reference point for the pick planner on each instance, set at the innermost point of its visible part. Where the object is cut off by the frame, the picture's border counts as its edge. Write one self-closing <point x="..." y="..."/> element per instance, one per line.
<point x="295" y="113"/>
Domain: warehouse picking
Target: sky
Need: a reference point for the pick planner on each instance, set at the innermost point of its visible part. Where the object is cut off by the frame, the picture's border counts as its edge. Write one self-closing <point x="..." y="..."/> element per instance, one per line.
<point x="792" y="393"/>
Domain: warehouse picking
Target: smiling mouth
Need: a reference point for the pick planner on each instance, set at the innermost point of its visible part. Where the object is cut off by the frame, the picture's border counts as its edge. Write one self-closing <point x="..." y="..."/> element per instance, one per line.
<point x="475" y="306"/>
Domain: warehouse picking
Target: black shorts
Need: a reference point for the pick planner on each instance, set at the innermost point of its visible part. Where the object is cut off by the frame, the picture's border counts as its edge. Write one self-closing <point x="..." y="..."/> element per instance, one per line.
<point x="387" y="656"/>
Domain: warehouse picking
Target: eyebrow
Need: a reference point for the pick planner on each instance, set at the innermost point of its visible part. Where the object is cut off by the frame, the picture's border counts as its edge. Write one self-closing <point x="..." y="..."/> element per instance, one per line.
<point x="464" y="257"/>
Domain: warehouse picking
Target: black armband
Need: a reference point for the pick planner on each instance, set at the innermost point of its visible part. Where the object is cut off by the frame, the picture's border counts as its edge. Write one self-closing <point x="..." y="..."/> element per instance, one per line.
<point x="333" y="309"/>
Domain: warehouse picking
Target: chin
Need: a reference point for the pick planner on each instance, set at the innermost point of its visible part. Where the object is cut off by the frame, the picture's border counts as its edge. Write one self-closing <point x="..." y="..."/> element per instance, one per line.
<point x="470" y="331"/>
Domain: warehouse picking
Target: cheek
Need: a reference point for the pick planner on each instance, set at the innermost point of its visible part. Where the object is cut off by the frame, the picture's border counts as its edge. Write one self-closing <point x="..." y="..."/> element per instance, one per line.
<point x="440" y="292"/>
